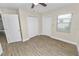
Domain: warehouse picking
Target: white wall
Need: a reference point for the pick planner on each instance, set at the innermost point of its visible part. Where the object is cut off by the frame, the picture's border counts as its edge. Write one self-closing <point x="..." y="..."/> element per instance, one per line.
<point x="24" y="13"/>
<point x="73" y="36"/>
<point x="8" y="11"/>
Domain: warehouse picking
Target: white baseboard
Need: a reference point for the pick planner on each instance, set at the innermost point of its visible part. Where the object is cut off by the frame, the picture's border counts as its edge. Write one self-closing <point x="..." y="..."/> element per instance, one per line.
<point x="78" y="49"/>
<point x="26" y="39"/>
<point x="64" y="40"/>
<point x="77" y="45"/>
<point x="29" y="38"/>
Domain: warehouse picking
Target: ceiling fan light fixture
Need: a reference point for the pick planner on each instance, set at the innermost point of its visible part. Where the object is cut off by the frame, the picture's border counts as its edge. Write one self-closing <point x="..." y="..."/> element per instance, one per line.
<point x="35" y="3"/>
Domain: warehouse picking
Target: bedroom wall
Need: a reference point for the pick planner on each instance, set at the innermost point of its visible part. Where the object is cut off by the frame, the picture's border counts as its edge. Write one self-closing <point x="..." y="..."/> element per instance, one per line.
<point x="23" y="14"/>
<point x="73" y="36"/>
<point x="8" y="11"/>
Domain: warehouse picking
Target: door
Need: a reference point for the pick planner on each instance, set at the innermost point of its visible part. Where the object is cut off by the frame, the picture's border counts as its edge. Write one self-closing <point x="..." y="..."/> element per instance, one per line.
<point x="11" y="27"/>
<point x="33" y="26"/>
<point x="46" y="25"/>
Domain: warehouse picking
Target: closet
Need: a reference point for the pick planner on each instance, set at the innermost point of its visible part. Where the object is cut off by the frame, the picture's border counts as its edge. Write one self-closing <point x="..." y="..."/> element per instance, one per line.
<point x="1" y="25"/>
<point x="1" y="34"/>
<point x="33" y="26"/>
<point x="47" y="25"/>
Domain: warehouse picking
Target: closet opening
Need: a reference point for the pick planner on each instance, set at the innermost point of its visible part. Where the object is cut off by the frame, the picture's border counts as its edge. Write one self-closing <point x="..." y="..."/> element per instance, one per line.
<point x="2" y="32"/>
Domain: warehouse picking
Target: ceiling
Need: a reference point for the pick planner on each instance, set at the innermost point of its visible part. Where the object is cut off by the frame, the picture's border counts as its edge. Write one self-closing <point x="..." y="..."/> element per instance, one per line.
<point x="37" y="8"/>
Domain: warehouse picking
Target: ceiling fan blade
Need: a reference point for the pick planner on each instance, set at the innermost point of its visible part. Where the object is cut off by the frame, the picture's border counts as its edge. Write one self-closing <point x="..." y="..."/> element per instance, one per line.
<point x="32" y="5"/>
<point x="43" y="4"/>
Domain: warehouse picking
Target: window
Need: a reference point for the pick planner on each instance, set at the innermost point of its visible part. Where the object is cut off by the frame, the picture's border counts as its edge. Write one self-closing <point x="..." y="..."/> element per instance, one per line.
<point x="64" y="22"/>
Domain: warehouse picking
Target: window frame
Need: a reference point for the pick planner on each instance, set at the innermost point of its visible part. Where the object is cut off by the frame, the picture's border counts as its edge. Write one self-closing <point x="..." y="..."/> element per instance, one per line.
<point x="59" y="29"/>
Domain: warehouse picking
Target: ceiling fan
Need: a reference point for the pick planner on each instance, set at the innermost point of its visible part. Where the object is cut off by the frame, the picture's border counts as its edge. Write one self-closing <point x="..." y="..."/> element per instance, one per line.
<point x="43" y="4"/>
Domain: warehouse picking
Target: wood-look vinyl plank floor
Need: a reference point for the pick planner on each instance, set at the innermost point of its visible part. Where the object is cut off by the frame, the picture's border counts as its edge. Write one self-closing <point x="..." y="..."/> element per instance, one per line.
<point x="38" y="46"/>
